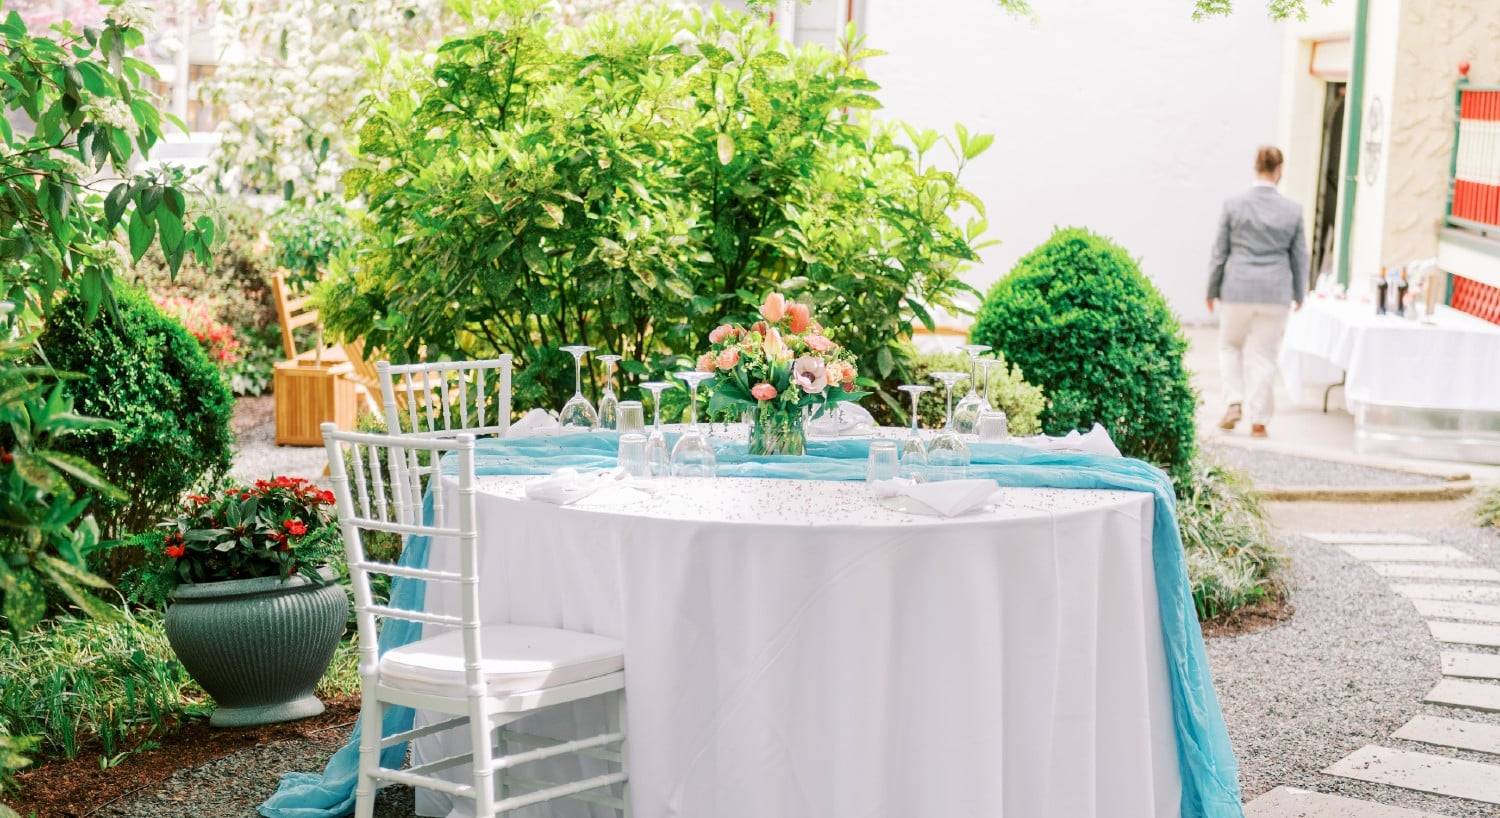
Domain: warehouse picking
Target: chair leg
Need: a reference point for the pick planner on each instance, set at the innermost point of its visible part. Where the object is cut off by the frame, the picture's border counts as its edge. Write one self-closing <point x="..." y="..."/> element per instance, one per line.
<point x="619" y="704"/>
<point x="371" y="715"/>
<point x="479" y="745"/>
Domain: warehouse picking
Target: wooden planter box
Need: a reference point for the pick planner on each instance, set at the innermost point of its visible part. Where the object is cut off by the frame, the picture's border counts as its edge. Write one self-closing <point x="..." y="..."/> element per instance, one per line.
<point x="311" y="393"/>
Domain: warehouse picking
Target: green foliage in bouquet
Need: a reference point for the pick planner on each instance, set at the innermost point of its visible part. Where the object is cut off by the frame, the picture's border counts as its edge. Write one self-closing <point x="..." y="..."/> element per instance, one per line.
<point x="632" y="184"/>
<point x="169" y="407"/>
<point x="1084" y="324"/>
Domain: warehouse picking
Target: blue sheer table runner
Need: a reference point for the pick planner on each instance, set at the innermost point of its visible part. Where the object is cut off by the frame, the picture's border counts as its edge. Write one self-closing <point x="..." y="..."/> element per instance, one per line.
<point x="1210" y="786"/>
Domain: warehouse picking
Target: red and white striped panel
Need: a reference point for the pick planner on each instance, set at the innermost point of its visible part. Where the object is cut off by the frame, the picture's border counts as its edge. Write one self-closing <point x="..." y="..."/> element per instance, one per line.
<point x="1476" y="185"/>
<point x="1476" y="298"/>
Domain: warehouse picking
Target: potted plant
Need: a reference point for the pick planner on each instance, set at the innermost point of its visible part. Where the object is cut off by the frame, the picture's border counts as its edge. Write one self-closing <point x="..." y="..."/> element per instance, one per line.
<point x="253" y="613"/>
<point x="779" y="368"/>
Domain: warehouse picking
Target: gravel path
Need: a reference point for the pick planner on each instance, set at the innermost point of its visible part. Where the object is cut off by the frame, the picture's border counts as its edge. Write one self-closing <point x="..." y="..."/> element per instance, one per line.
<point x="1267" y="468"/>
<point x="256" y="455"/>
<point x="1350" y="667"/>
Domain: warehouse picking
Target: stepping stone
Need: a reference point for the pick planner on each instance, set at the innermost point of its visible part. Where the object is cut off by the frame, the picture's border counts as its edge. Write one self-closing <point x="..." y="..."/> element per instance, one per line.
<point x="1290" y="802"/>
<point x="1463" y="735"/>
<point x="1475" y="695"/>
<point x="1459" y="593"/>
<point x="1422" y="772"/>
<point x="1436" y="572"/>
<point x="1441" y="609"/>
<point x="1471" y="665"/>
<point x="1466" y="633"/>
<point x="1405" y="553"/>
<point x="1363" y="538"/>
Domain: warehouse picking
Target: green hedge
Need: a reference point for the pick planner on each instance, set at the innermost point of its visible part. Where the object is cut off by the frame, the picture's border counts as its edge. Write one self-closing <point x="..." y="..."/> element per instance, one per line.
<point x="169" y="405"/>
<point x="1084" y="324"/>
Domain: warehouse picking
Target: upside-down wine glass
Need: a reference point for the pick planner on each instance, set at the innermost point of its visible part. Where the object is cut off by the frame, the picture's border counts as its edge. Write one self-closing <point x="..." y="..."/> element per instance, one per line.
<point x="693" y="456"/>
<point x="913" y="450"/>
<point x="967" y="418"/>
<point x="947" y="456"/>
<point x="578" y="413"/>
<point x="658" y="461"/>
<point x="609" y="405"/>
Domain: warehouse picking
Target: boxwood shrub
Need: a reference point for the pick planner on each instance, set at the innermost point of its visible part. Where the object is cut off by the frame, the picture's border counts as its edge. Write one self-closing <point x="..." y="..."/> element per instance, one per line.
<point x="170" y="407"/>
<point x="1081" y="320"/>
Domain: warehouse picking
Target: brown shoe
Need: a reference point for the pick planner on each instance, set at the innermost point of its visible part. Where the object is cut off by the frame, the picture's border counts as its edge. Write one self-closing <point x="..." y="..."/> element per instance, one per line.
<point x="1258" y="430"/>
<point x="1231" y="417"/>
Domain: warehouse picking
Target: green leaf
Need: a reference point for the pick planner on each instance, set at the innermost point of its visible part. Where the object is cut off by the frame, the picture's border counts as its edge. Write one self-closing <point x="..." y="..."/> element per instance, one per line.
<point x="176" y="202"/>
<point x="114" y="204"/>
<point x="885" y="362"/>
<point x="726" y="149"/>
<point x="141" y="232"/>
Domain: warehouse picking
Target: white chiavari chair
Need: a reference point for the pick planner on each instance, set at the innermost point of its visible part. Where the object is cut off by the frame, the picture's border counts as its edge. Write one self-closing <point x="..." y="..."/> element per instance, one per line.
<point x="446" y="398"/>
<point x="482" y="676"/>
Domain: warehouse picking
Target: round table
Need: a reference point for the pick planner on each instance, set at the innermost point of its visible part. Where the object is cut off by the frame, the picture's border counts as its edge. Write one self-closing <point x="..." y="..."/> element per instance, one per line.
<point x="795" y="649"/>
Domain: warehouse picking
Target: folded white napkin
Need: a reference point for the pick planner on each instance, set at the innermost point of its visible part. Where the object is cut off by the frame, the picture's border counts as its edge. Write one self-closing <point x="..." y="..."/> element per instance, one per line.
<point x="845" y="419"/>
<point x="536" y="423"/>
<point x="566" y="486"/>
<point x="1094" y="441"/>
<point x="947" y="498"/>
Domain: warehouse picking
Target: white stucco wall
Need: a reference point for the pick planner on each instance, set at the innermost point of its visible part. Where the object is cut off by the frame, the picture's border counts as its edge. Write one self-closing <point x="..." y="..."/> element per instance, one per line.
<point x="1125" y="117"/>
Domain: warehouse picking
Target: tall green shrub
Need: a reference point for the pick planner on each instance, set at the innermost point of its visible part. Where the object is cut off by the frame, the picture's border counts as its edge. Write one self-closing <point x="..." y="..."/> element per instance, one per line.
<point x="1084" y="324"/>
<point x="631" y="185"/>
<point x="169" y="406"/>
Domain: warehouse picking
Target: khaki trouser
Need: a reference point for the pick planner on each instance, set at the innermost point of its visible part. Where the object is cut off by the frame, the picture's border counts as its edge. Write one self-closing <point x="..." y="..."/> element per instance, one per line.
<point x="1249" y="340"/>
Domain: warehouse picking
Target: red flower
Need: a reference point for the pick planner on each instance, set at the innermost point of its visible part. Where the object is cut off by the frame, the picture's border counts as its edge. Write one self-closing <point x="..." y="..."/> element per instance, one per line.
<point x="325" y="497"/>
<point x="197" y="499"/>
<point x="279" y="539"/>
<point x="294" y="527"/>
<point x="176" y="546"/>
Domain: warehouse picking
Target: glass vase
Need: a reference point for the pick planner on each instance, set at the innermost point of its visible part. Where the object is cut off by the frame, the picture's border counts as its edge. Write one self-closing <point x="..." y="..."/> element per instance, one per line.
<point x="777" y="431"/>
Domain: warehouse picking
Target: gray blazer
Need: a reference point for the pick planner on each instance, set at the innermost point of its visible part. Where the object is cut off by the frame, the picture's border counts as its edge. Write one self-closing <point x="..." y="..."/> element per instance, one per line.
<point x="1260" y="255"/>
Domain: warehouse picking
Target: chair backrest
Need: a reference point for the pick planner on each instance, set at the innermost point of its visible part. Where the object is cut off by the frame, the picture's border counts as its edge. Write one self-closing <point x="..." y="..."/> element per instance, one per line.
<point x="292" y="313"/>
<point x="359" y="490"/>
<point x="447" y="398"/>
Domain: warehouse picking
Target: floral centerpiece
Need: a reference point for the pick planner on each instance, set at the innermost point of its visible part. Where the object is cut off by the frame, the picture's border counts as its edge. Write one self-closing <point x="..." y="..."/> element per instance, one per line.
<point x="779" y="369"/>
<point x="253" y="614"/>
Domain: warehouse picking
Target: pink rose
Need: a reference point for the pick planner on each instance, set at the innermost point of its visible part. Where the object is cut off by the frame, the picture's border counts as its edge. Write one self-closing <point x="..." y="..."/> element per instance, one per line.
<point x="706" y="362"/>
<point x="719" y="333"/>
<point x="774" y="308"/>
<point x="809" y="374"/>
<point x="729" y="357"/>
<point x="820" y="343"/>
<point x="759" y="328"/>
<point x="763" y="391"/>
<point x="839" y="372"/>
<point x="801" y="317"/>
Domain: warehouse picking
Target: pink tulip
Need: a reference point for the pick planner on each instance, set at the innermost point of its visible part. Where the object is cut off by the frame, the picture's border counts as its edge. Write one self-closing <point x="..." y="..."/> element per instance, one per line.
<point x="729" y="357"/>
<point x="775" y="348"/>
<point x="820" y="343"/>
<point x="719" y="333"/>
<point x="809" y="374"/>
<point x="759" y="328"/>
<point x="763" y="391"/>
<point x="706" y="362"/>
<point x="774" y="308"/>
<point x="801" y="317"/>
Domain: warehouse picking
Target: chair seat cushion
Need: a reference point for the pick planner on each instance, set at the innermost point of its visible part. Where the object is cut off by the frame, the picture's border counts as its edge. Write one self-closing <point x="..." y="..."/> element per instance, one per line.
<point x="515" y="659"/>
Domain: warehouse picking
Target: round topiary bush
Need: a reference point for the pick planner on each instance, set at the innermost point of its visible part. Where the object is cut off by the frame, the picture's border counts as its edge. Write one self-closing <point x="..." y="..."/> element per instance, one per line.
<point x="169" y="405"/>
<point x="1081" y="320"/>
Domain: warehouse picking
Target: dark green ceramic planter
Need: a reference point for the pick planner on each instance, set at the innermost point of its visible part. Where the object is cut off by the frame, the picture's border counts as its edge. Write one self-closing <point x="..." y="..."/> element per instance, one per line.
<point x="258" y="646"/>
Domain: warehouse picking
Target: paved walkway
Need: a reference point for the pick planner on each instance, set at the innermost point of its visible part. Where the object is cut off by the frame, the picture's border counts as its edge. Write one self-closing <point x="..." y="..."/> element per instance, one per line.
<point x="1450" y="749"/>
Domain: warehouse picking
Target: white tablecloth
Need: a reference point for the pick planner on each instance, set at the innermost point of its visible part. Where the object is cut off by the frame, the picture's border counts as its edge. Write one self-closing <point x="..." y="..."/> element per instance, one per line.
<point x="795" y="650"/>
<point x="1393" y="361"/>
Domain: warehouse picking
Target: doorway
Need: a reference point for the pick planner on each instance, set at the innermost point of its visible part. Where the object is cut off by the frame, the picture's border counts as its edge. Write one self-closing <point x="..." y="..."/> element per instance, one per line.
<point x="1326" y="205"/>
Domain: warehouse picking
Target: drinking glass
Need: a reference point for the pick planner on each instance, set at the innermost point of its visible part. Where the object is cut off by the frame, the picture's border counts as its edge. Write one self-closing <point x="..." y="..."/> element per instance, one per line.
<point x="693" y="456"/>
<point x="947" y="455"/>
<point x="632" y="416"/>
<point x="913" y="450"/>
<point x="656" y="446"/>
<point x="967" y="418"/>
<point x="609" y="405"/>
<point x="578" y="413"/>
<point x="993" y="426"/>
<point x="632" y="456"/>
<point x="884" y="462"/>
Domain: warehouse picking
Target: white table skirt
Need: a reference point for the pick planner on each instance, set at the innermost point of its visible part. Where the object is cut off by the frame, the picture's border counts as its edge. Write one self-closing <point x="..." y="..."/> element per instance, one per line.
<point x="1392" y="361"/>
<point x="795" y="650"/>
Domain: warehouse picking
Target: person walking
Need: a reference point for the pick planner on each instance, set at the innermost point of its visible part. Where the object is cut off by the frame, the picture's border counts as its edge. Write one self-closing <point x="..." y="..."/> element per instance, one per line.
<point x="1257" y="276"/>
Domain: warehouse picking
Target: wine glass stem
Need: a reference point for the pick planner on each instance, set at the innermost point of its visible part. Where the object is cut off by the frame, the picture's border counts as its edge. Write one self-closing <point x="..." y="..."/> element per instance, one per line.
<point x="914" y="398"/>
<point x="949" y="424"/>
<point x="656" y="405"/>
<point x="577" y="376"/>
<point x="693" y="408"/>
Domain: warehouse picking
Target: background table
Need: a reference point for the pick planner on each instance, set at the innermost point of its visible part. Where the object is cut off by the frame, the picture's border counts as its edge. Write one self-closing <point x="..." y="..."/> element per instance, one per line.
<point x="796" y="650"/>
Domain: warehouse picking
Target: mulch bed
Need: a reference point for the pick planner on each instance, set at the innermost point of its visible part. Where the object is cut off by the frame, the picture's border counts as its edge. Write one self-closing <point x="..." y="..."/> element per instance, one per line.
<point x="1252" y="618"/>
<point x="78" y="788"/>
